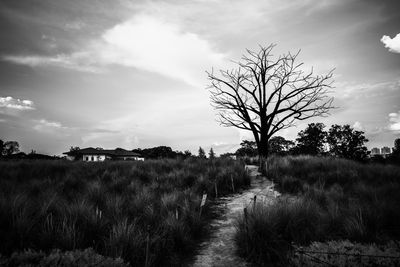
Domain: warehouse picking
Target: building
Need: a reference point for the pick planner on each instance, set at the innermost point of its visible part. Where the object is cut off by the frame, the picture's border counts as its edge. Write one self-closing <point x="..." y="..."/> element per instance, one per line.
<point x="386" y="150"/>
<point x="375" y="151"/>
<point x="96" y="154"/>
<point x="382" y="152"/>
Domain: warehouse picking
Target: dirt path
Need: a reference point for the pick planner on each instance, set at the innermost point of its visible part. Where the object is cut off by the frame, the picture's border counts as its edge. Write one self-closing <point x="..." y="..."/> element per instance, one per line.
<point x="220" y="249"/>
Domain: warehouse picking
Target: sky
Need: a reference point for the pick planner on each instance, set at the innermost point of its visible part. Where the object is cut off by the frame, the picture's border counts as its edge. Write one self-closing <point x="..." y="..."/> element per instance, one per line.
<point x="132" y="74"/>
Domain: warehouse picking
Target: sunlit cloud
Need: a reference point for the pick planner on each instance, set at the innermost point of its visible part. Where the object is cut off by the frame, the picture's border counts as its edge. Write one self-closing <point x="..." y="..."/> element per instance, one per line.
<point x="393" y="44"/>
<point x="76" y="61"/>
<point x="394" y="121"/>
<point x="145" y="43"/>
<point x="50" y="127"/>
<point x="14" y="106"/>
<point x="358" y="126"/>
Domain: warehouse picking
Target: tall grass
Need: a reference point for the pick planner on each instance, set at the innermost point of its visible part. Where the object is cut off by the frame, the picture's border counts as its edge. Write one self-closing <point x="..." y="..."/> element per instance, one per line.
<point x="336" y="199"/>
<point x="116" y="208"/>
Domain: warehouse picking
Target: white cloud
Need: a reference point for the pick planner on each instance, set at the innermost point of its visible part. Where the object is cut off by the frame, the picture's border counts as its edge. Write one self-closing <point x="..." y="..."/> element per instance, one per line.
<point x="76" y="61"/>
<point x="144" y="42"/>
<point x="46" y="126"/>
<point x="15" y="104"/>
<point x="151" y="44"/>
<point x="358" y="126"/>
<point x="394" y="121"/>
<point x="392" y="44"/>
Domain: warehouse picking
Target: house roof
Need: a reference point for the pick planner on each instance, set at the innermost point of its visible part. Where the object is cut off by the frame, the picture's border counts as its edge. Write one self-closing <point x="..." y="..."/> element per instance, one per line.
<point x="119" y="152"/>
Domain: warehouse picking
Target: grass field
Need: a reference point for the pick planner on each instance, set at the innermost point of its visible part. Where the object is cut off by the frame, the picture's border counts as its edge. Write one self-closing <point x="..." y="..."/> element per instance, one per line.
<point x="116" y="208"/>
<point x="336" y="199"/>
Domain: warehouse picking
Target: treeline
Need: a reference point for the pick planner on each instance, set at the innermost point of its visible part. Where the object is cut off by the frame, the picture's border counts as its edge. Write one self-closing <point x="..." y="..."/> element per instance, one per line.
<point x="341" y="141"/>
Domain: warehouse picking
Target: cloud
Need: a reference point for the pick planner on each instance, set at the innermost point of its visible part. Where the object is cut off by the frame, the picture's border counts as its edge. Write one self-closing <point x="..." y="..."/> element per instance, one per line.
<point x="392" y="44"/>
<point x="151" y="44"/>
<point x="75" y="61"/>
<point x="358" y="126"/>
<point x="144" y="42"/>
<point x="46" y="126"/>
<point x="12" y="106"/>
<point x="394" y="121"/>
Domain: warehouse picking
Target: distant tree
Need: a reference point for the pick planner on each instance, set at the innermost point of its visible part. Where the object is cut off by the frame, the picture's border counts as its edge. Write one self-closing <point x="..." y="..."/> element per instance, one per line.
<point x="187" y="153"/>
<point x="311" y="140"/>
<point x="227" y="155"/>
<point x="32" y="152"/>
<point x="247" y="148"/>
<point x="99" y="148"/>
<point x="9" y="148"/>
<point x="395" y="156"/>
<point x="346" y="142"/>
<point x="396" y="149"/>
<point x="211" y="154"/>
<point x="202" y="154"/>
<point x="1" y="147"/>
<point x="74" y="148"/>
<point x="279" y="145"/>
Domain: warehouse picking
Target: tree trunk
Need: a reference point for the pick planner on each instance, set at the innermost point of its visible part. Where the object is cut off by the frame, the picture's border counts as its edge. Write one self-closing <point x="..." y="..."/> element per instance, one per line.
<point x="263" y="154"/>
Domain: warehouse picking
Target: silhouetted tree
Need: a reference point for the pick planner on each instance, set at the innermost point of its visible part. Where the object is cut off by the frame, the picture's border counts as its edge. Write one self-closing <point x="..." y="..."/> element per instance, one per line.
<point x="395" y="156"/>
<point x="265" y="95"/>
<point x="202" y="154"/>
<point x="396" y="148"/>
<point x="74" y="148"/>
<point x="187" y="153"/>
<point x="311" y="140"/>
<point x="211" y="154"/>
<point x="279" y="145"/>
<point x="9" y="148"/>
<point x="247" y="148"/>
<point x="346" y="142"/>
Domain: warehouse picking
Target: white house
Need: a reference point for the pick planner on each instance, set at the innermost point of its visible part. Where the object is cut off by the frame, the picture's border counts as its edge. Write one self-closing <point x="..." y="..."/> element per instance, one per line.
<point x="95" y="154"/>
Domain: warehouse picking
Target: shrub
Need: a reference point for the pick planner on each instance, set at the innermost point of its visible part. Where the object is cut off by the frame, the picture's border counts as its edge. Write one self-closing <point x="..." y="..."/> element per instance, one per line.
<point x="112" y="207"/>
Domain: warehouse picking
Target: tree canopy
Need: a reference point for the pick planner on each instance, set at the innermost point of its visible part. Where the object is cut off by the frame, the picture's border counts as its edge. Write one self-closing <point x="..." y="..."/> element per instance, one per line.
<point x="311" y="140"/>
<point x="346" y="142"/>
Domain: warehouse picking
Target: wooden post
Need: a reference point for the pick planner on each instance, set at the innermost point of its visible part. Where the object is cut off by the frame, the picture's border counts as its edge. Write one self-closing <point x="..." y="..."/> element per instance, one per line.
<point x="233" y="185"/>
<point x="216" y="190"/>
<point x="146" y="264"/>
<point x="203" y="202"/>
<point x="254" y="201"/>
<point x="176" y="214"/>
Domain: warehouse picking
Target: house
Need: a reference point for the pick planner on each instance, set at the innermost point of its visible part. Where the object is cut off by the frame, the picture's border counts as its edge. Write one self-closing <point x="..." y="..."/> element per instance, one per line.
<point x="96" y="154"/>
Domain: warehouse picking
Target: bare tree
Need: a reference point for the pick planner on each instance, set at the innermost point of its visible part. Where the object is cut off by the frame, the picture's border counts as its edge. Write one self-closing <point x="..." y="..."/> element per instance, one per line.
<point x="266" y="95"/>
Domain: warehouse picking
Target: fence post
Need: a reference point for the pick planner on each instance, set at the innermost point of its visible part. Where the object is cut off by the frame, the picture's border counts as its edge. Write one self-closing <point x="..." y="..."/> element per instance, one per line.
<point x="233" y="185"/>
<point x="216" y="190"/>
<point x="254" y="201"/>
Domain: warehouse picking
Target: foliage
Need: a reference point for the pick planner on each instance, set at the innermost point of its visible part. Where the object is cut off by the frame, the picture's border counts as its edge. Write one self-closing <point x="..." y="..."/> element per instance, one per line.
<point x="112" y="207"/>
<point x="279" y="145"/>
<point x="347" y="143"/>
<point x="8" y="148"/>
<point x="159" y="152"/>
<point x="211" y="154"/>
<point x="336" y="199"/>
<point x="202" y="154"/>
<point x="346" y="253"/>
<point x="247" y="149"/>
<point x="311" y="140"/>
<point x="87" y="257"/>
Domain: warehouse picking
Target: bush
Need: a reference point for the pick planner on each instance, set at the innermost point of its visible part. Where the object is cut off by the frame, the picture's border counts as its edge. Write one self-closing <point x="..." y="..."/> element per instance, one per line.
<point x="113" y="207"/>
<point x="336" y="199"/>
<point x="87" y="257"/>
